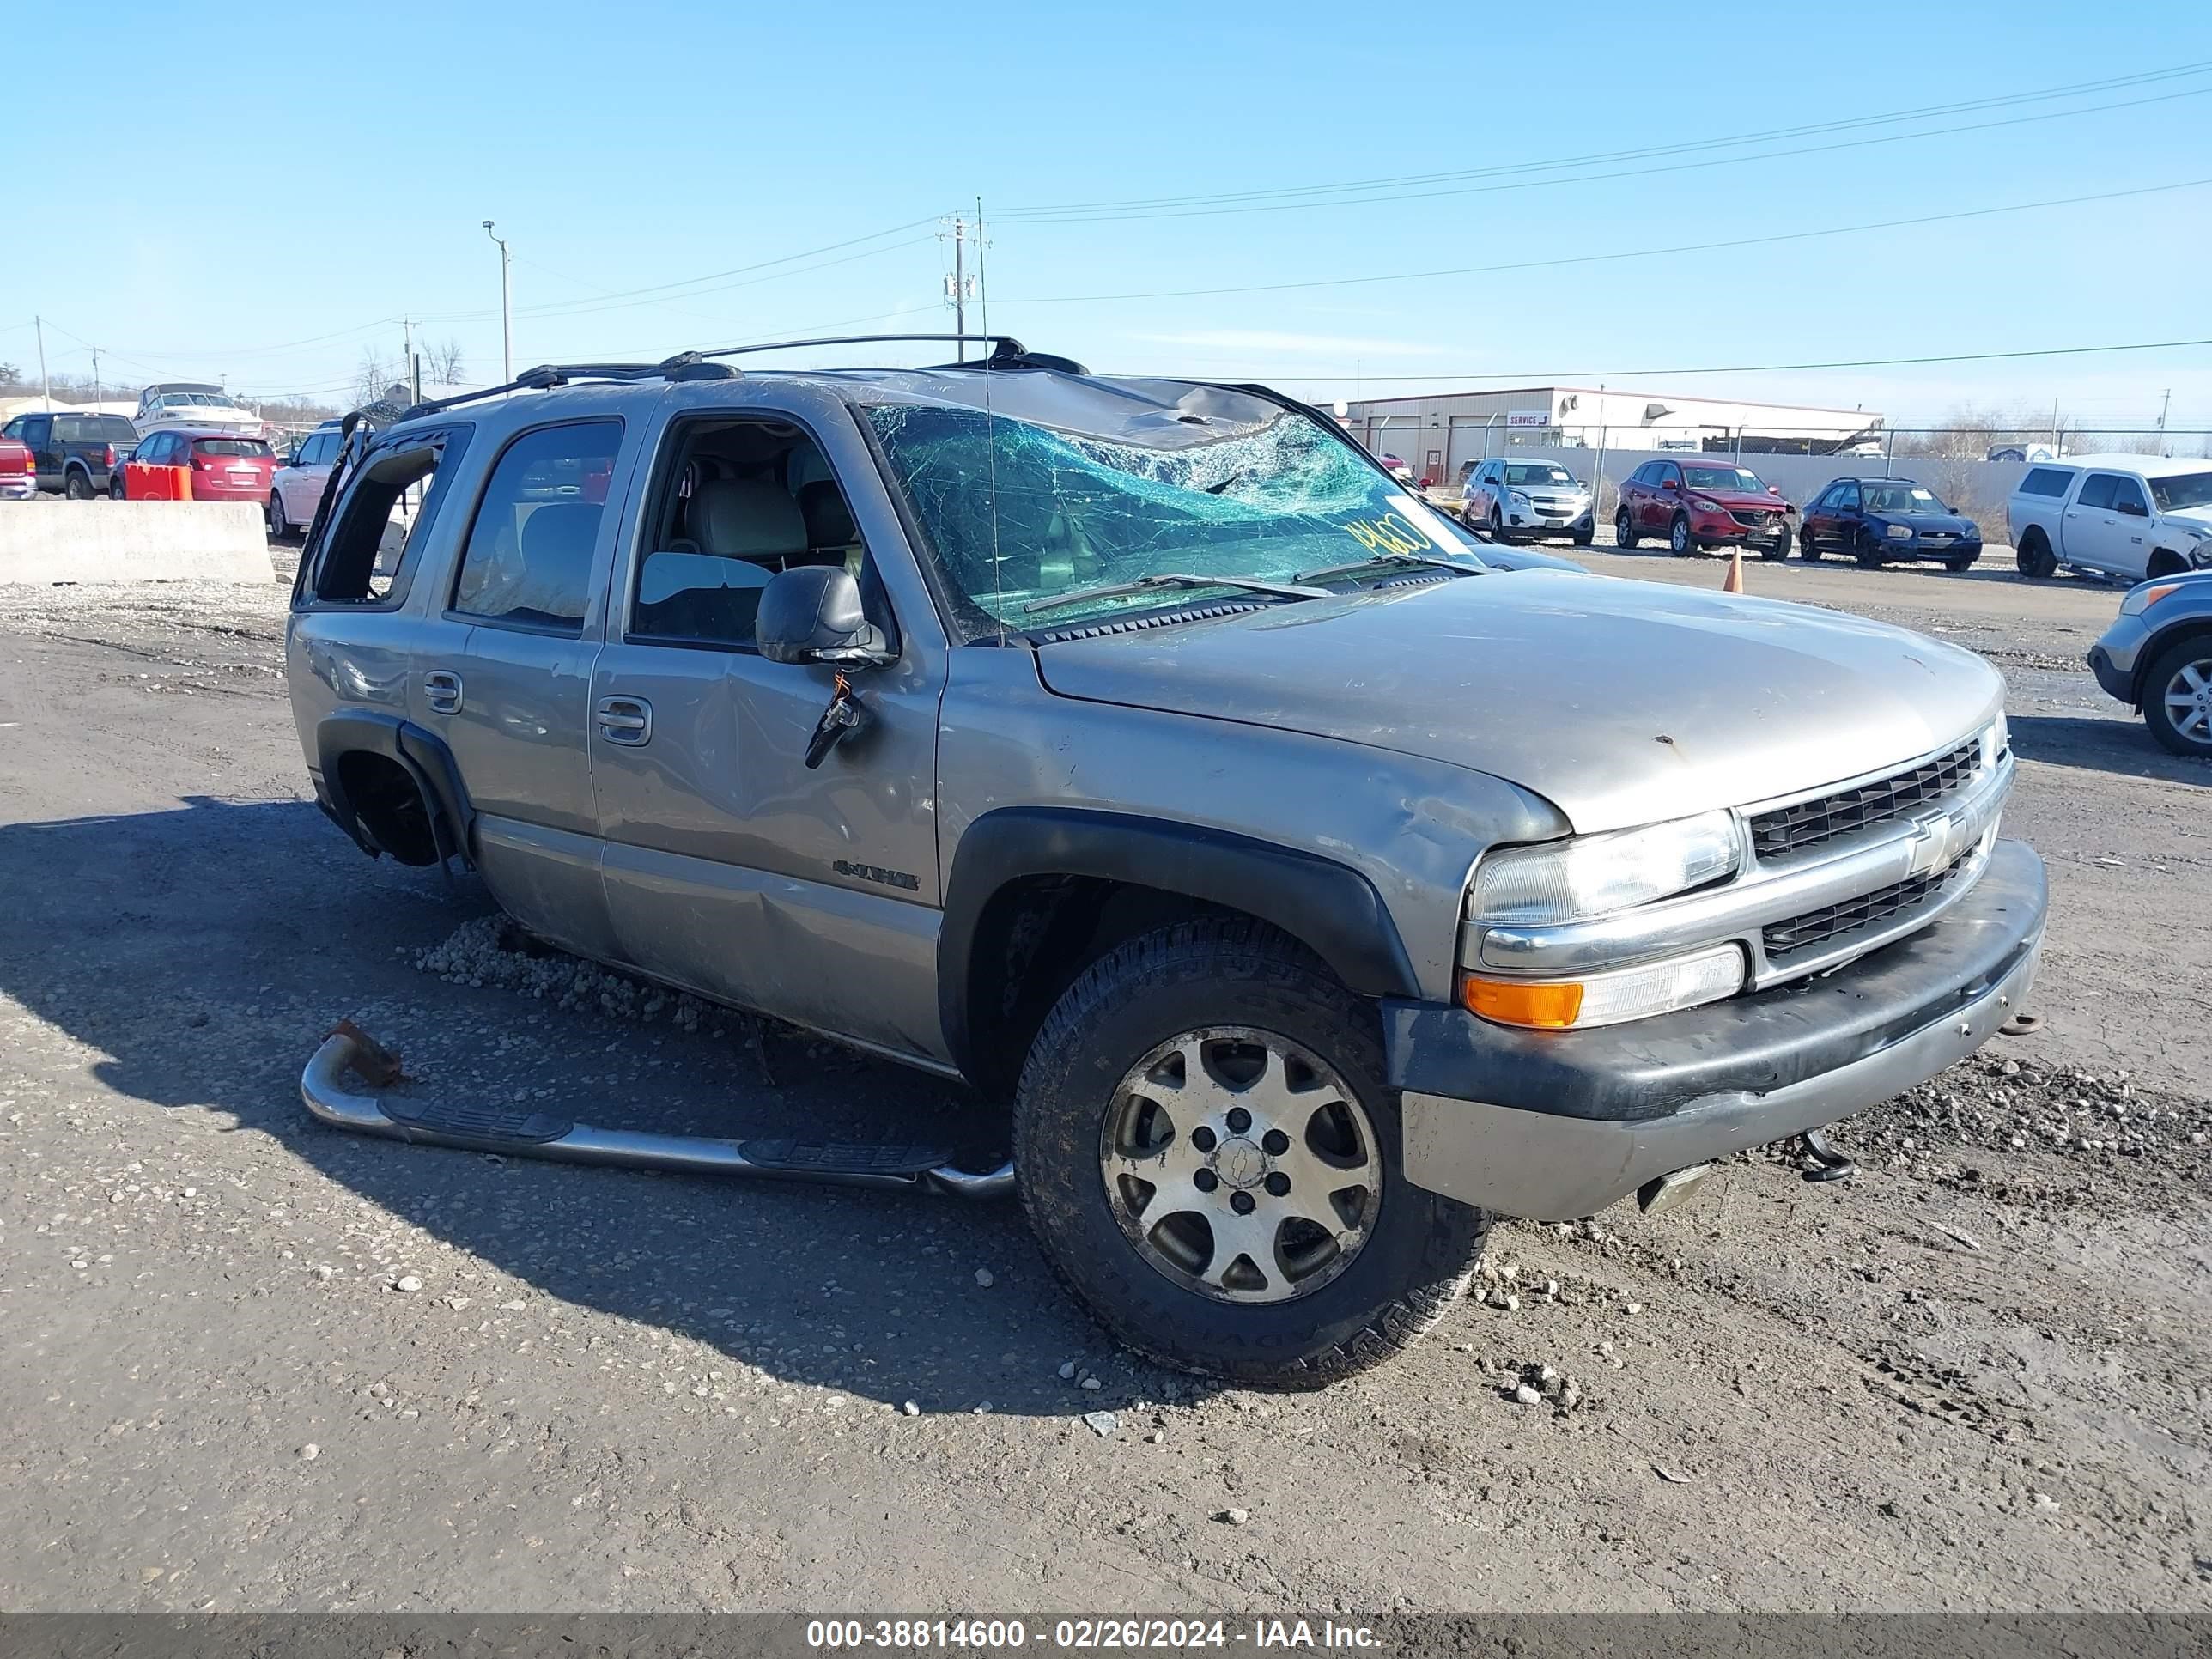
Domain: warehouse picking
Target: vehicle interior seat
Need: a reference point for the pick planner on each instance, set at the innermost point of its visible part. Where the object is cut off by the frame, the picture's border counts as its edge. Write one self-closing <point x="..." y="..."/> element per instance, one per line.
<point x="745" y="530"/>
<point x="832" y="537"/>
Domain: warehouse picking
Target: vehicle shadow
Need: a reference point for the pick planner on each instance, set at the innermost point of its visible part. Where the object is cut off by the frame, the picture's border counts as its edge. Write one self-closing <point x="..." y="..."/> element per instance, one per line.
<point x="2101" y="744"/>
<point x="206" y="951"/>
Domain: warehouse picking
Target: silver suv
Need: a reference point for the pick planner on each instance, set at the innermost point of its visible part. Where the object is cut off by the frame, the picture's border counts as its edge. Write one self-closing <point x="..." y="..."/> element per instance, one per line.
<point x="1142" y="752"/>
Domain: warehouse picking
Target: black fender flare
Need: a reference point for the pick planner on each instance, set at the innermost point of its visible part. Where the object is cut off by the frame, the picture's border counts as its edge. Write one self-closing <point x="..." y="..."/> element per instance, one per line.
<point x="2179" y="633"/>
<point x="1330" y="908"/>
<point x="422" y="754"/>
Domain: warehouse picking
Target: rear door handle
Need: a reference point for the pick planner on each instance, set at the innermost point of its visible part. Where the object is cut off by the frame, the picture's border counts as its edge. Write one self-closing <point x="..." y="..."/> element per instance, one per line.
<point x="441" y="690"/>
<point x="626" y="720"/>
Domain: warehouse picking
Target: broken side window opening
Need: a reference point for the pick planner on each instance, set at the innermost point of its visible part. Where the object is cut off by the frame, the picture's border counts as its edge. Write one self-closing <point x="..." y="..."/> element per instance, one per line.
<point x="362" y="558"/>
<point x="1074" y="510"/>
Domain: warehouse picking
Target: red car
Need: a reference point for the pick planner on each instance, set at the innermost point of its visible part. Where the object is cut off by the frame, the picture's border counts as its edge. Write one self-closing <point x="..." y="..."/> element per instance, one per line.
<point x="19" y="472"/>
<point x="225" y="467"/>
<point x="1693" y="505"/>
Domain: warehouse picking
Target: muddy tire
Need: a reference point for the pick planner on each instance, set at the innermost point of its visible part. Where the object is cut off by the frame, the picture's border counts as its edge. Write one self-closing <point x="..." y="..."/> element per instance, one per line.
<point x="2034" y="557"/>
<point x="1182" y="1029"/>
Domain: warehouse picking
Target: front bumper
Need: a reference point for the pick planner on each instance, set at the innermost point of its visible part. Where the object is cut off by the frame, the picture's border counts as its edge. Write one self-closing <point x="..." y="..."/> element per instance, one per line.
<point x="1553" y="1126"/>
<point x="2113" y="659"/>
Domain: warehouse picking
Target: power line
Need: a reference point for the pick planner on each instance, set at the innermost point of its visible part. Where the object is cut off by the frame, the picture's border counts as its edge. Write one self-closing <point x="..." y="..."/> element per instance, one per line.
<point x="576" y="307"/>
<point x="1599" y="258"/>
<point x="1555" y="376"/>
<point x="1041" y="218"/>
<point x="1594" y="158"/>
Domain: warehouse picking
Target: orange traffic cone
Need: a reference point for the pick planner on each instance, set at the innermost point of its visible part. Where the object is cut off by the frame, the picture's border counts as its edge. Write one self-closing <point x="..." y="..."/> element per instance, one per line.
<point x="1733" y="583"/>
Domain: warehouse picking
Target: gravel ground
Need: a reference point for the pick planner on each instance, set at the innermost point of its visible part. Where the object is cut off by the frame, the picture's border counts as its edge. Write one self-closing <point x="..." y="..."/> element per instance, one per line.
<point x="247" y="1363"/>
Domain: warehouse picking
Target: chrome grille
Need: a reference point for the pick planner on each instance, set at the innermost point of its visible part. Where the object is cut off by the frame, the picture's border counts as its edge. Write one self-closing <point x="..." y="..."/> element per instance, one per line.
<point x="1834" y="920"/>
<point x="1809" y="822"/>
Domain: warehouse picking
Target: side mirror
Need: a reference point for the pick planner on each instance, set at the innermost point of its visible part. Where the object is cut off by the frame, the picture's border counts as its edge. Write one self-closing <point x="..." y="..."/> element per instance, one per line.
<point x="813" y="614"/>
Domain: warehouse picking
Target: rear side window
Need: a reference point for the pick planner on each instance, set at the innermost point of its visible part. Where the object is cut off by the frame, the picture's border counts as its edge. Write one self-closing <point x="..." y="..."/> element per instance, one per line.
<point x="529" y="554"/>
<point x="2049" y="481"/>
<point x="252" y="447"/>
<point x="2098" y="492"/>
<point x="382" y="517"/>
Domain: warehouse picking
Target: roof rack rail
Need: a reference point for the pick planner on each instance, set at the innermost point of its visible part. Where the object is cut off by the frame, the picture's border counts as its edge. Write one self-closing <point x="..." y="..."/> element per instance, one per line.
<point x="1006" y="352"/>
<point x="1002" y="345"/>
<point x="543" y="378"/>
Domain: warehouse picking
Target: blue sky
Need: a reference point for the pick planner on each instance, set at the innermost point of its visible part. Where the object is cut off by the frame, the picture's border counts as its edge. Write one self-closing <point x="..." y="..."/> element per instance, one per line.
<point x="254" y="199"/>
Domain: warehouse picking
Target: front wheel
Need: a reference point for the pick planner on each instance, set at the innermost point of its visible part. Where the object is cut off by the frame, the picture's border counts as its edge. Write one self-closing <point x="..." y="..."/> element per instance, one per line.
<point x="1209" y="1151"/>
<point x="1680" y="539"/>
<point x="1868" y="552"/>
<point x="1959" y="565"/>
<point x="1624" y="530"/>
<point x="1586" y="533"/>
<point x="279" y="525"/>
<point x="2177" y="698"/>
<point x="1779" y="548"/>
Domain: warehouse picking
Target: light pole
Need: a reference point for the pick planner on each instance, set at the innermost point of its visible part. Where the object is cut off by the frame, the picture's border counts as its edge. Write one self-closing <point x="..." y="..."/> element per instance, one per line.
<point x="506" y="308"/>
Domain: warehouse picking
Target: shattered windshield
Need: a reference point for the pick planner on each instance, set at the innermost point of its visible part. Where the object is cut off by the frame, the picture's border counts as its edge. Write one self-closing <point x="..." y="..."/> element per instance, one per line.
<point x="1076" y="511"/>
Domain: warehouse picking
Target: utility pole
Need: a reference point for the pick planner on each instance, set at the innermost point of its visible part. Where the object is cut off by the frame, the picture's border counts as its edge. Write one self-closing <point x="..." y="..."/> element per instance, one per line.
<point x="96" y="377"/>
<point x="46" y="386"/>
<point x="505" y="306"/>
<point x="957" y="286"/>
<point x="2165" y="404"/>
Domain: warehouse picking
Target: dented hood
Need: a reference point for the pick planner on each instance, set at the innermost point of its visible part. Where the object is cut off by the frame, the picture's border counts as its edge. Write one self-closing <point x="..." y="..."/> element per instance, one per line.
<point x="1621" y="703"/>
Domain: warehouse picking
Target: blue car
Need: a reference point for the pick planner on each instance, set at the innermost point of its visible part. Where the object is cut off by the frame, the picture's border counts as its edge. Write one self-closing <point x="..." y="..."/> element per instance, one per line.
<point x="1881" y="521"/>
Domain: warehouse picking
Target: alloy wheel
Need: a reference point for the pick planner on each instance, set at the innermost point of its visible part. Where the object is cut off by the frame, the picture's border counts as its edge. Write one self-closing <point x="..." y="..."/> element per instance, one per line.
<point x="2188" y="700"/>
<point x="1240" y="1166"/>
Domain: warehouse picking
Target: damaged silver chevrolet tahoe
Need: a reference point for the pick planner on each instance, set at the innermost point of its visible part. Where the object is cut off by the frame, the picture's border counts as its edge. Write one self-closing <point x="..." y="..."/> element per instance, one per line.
<point x="1140" y="752"/>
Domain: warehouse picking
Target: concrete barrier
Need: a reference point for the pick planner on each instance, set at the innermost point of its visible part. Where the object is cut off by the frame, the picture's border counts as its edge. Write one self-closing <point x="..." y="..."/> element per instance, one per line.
<point x="47" y="542"/>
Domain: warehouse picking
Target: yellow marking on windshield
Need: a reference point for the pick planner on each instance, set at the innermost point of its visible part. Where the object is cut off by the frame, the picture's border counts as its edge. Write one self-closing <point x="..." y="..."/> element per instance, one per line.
<point x="1387" y="534"/>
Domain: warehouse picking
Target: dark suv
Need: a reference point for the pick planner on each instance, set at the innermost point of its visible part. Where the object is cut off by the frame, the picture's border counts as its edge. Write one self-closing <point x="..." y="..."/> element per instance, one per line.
<point x="1693" y="505"/>
<point x="76" y="454"/>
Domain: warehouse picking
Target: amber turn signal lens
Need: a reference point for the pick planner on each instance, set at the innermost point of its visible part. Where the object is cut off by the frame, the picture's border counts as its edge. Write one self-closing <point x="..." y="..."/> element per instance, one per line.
<point x="1511" y="1002"/>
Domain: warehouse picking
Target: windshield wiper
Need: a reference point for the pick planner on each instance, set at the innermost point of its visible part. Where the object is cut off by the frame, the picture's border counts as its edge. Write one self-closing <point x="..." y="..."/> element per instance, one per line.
<point x="1386" y="560"/>
<point x="1174" y="578"/>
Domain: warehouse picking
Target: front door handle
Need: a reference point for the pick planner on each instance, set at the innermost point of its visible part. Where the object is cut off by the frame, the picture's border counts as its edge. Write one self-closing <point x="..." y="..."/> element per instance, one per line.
<point x="626" y="720"/>
<point x="441" y="690"/>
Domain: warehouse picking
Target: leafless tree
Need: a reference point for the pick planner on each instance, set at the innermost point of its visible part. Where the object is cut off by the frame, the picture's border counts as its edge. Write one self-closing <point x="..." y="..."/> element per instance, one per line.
<point x="445" y="363"/>
<point x="10" y="375"/>
<point x="373" y="377"/>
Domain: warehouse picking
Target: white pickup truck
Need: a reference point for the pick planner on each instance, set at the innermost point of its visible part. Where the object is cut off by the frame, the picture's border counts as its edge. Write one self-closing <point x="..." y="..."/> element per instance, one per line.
<point x="2134" y="516"/>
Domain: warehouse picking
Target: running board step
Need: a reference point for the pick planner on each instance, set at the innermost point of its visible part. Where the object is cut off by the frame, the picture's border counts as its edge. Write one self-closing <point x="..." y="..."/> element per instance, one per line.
<point x="830" y="1159"/>
<point x="522" y="1133"/>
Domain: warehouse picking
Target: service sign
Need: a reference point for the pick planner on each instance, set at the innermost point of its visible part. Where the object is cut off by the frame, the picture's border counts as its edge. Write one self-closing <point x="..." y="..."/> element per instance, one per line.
<point x="1528" y="420"/>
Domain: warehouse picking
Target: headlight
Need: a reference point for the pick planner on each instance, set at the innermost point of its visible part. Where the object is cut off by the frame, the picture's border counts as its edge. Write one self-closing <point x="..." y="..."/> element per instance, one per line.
<point x="1516" y="498"/>
<point x="1898" y="532"/>
<point x="1595" y="875"/>
<point x="2140" y="600"/>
